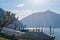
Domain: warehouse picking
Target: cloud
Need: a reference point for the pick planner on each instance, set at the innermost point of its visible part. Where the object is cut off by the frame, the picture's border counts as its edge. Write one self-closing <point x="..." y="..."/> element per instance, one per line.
<point x="22" y="13"/>
<point x="15" y="11"/>
<point x="27" y="12"/>
<point x="20" y="5"/>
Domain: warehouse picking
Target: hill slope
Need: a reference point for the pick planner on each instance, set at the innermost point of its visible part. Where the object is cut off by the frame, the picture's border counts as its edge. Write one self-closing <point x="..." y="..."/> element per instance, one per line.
<point x="14" y="24"/>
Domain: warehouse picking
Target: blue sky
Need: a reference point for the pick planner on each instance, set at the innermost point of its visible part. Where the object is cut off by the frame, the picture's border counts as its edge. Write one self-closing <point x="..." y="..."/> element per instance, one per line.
<point x="23" y="8"/>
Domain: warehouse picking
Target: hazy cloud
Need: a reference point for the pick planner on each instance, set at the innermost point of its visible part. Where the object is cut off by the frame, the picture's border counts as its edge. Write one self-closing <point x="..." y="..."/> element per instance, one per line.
<point x="20" y="5"/>
<point x="21" y="14"/>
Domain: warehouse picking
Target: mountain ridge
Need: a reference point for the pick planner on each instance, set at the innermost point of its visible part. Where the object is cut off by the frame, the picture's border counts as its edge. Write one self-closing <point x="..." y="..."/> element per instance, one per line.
<point x="46" y="18"/>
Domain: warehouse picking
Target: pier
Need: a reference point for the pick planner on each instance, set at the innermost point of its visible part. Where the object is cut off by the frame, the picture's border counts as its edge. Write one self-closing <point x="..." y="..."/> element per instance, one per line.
<point x="36" y="36"/>
<point x="36" y="33"/>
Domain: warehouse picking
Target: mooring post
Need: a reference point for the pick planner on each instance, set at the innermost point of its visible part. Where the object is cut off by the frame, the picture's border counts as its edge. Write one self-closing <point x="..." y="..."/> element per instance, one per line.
<point x="50" y="30"/>
<point x="53" y="30"/>
<point x="33" y="28"/>
<point x="36" y="29"/>
<point x="42" y="29"/>
<point x="39" y="29"/>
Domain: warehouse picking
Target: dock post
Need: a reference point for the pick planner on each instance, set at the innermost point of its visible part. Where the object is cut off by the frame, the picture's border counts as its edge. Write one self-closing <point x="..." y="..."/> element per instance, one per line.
<point x="50" y="30"/>
<point x="53" y="30"/>
<point x="33" y="28"/>
<point x="36" y="29"/>
<point x="39" y="29"/>
<point x="42" y="29"/>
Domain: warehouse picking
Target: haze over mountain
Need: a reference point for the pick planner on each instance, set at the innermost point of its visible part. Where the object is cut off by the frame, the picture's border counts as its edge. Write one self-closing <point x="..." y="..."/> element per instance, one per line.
<point x="46" y="18"/>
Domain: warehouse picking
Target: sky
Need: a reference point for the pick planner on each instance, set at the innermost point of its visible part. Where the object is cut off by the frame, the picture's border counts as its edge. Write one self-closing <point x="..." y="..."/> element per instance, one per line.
<point x="23" y="8"/>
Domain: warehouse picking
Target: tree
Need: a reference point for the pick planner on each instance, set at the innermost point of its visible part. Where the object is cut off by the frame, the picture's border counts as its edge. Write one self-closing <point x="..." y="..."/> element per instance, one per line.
<point x="6" y="18"/>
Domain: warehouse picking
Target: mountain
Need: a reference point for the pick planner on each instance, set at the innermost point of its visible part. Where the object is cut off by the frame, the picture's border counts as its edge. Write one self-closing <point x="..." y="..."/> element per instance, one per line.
<point x="46" y="18"/>
<point x="1" y="10"/>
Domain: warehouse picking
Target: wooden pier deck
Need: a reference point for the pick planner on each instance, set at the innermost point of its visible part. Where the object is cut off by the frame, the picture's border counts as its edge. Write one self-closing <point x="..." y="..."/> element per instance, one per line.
<point x="36" y="36"/>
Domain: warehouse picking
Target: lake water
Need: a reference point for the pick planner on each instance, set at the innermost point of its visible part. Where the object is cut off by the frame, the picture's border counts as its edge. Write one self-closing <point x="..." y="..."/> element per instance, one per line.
<point x="56" y="32"/>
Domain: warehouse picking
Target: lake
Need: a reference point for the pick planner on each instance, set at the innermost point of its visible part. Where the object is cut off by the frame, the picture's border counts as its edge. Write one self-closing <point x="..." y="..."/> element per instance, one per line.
<point x="56" y="32"/>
